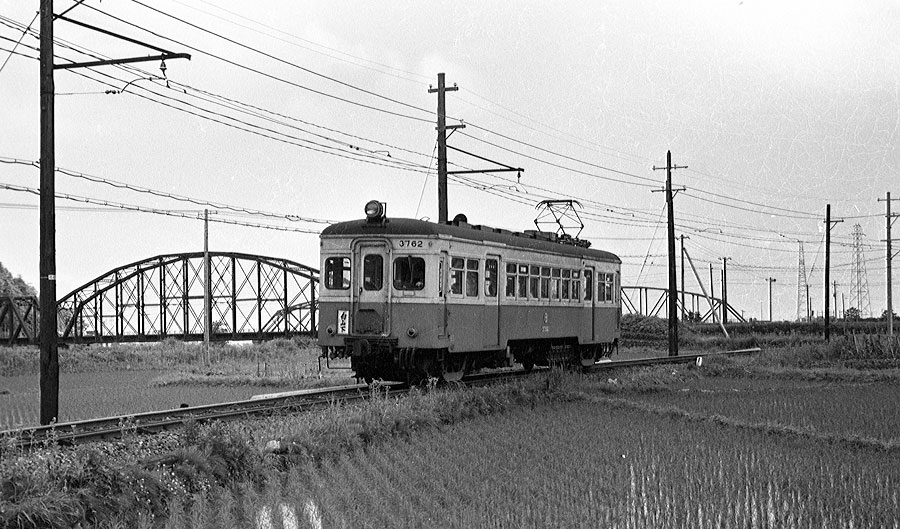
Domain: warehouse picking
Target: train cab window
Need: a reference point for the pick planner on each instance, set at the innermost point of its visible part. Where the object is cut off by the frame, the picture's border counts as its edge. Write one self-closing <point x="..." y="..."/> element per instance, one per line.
<point x="566" y="282"/>
<point x="522" y="291"/>
<point x="373" y="272"/>
<point x="576" y="285"/>
<point x="337" y="273"/>
<point x="511" y="280"/>
<point x="545" y="282"/>
<point x="457" y="272"/>
<point x="554" y="283"/>
<point x="588" y="285"/>
<point x="409" y="273"/>
<point x="491" y="275"/>
<point x="472" y="266"/>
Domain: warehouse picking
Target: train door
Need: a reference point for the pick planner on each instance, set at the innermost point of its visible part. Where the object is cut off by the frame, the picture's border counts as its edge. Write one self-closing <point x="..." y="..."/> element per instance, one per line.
<point x="443" y="276"/>
<point x="590" y="283"/>
<point x="492" y="301"/>
<point x="371" y="307"/>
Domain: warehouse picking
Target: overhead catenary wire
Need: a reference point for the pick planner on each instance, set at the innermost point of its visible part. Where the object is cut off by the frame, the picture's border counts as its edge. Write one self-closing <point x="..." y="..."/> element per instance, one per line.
<point x="262" y="73"/>
<point x="169" y="213"/>
<point x="173" y="196"/>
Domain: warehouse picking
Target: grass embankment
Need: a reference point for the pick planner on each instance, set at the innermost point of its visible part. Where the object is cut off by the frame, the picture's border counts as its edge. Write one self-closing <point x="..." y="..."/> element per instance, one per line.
<point x="281" y="360"/>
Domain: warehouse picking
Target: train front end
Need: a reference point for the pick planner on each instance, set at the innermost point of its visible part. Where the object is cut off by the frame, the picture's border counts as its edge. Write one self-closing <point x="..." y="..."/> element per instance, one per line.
<point x="373" y="287"/>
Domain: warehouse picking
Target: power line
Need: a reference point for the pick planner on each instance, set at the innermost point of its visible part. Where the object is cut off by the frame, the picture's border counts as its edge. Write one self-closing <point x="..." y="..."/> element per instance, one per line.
<point x="376" y="63"/>
<point x="142" y="209"/>
<point x="264" y="74"/>
<point x="163" y="194"/>
<point x="13" y="50"/>
<point x="616" y="171"/>
<point x="279" y="59"/>
<point x="382" y="161"/>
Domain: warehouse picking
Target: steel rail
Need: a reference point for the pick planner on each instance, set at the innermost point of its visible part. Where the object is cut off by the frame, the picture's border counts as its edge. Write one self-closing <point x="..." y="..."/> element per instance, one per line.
<point x="258" y="405"/>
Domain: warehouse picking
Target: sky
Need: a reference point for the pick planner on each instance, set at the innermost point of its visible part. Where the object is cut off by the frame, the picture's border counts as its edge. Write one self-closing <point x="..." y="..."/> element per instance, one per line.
<point x="295" y="114"/>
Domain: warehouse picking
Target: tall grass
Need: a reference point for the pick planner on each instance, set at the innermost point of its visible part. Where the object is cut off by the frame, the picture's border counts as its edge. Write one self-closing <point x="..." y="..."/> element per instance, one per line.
<point x="295" y="358"/>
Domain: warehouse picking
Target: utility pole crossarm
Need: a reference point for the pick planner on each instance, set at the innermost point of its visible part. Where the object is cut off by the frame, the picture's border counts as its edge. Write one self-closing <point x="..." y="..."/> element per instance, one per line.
<point x="163" y="53"/>
<point x="128" y="60"/>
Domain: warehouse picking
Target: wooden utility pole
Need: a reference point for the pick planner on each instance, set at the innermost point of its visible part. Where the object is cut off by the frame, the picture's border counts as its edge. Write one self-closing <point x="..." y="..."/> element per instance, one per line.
<point x="207" y="309"/>
<point x="673" y="284"/>
<point x="442" y="145"/>
<point x="682" y="275"/>
<point x="725" y="289"/>
<point x="770" y="280"/>
<point x="828" y="225"/>
<point x="49" y="353"/>
<point x="49" y="357"/>
<point x="890" y="257"/>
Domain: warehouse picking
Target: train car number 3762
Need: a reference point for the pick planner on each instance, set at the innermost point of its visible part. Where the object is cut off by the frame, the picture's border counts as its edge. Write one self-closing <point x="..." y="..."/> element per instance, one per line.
<point x="407" y="243"/>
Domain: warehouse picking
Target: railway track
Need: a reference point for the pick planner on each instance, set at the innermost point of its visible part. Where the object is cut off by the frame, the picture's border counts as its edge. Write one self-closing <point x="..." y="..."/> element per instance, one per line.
<point x="301" y="400"/>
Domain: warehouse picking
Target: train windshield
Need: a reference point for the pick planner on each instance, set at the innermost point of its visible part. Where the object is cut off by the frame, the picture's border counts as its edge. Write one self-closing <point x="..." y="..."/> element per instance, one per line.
<point x="409" y="273"/>
<point x="337" y="273"/>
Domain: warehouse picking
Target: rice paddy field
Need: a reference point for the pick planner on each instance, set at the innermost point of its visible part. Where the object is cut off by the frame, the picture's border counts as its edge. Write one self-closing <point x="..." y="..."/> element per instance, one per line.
<point x="753" y="442"/>
<point x="583" y="464"/>
<point x="103" y="382"/>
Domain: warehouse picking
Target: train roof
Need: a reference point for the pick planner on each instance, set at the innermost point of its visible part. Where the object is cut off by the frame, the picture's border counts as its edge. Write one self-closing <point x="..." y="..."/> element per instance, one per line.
<point x="538" y="241"/>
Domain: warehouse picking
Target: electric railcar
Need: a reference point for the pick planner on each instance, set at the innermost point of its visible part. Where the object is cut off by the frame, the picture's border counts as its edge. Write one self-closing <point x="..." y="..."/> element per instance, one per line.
<point x="406" y="299"/>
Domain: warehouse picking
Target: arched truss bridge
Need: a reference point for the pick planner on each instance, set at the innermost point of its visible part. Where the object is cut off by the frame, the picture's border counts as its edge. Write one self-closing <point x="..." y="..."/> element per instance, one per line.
<point x="251" y="297"/>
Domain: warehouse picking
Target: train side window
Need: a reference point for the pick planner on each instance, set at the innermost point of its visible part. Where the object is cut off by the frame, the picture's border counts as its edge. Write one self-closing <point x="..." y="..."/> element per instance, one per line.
<point x="457" y="271"/>
<point x="523" y="282"/>
<point x="337" y="273"/>
<point x="576" y="285"/>
<point x="566" y="281"/>
<point x="545" y="282"/>
<point x="554" y="284"/>
<point x="511" y="280"/>
<point x="409" y="273"/>
<point x="601" y="287"/>
<point x="491" y="274"/>
<point x="472" y="266"/>
<point x="533" y="282"/>
<point x="588" y="285"/>
<point x="605" y="288"/>
<point x="373" y="272"/>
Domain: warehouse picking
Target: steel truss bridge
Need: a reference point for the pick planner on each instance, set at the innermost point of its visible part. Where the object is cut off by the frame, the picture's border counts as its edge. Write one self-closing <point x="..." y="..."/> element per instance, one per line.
<point x="251" y="297"/>
<point x="654" y="301"/>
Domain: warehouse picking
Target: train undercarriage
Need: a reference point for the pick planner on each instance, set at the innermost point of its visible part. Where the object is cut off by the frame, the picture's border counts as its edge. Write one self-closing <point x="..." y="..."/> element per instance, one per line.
<point x="377" y="357"/>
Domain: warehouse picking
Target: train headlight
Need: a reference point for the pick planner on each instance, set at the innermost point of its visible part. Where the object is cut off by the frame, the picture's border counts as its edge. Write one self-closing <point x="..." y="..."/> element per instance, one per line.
<point x="330" y="330"/>
<point x="374" y="211"/>
<point x="412" y="332"/>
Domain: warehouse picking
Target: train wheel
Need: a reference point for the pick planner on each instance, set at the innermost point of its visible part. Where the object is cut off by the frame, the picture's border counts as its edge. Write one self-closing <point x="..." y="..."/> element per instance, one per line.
<point x="588" y="355"/>
<point x="527" y="365"/>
